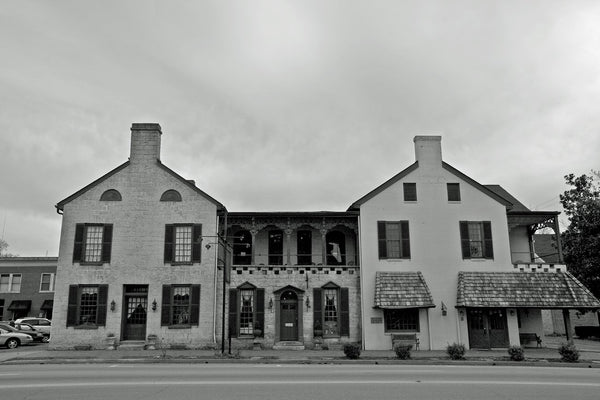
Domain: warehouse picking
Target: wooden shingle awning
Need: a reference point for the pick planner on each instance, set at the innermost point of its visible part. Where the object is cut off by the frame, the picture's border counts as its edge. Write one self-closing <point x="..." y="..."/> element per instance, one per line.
<point x="396" y="290"/>
<point x="20" y="305"/>
<point x="543" y="290"/>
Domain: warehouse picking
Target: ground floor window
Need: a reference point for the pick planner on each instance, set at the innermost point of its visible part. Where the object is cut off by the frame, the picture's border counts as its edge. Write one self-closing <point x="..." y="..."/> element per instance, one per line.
<point x="401" y="320"/>
<point x="180" y="305"/>
<point x="331" y="311"/>
<point x="246" y="311"/>
<point x="87" y="305"/>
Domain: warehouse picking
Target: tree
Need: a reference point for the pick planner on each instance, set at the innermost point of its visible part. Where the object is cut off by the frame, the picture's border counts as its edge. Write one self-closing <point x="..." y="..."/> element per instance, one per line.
<point x="581" y="240"/>
<point x="3" y="248"/>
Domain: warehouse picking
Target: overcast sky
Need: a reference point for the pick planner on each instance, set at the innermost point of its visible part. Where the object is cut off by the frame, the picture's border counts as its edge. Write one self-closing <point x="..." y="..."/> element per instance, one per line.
<point x="300" y="105"/>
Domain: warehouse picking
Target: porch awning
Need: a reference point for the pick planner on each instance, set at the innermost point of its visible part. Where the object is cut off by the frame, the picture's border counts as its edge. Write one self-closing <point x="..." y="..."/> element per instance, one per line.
<point x="20" y="305"/>
<point x="47" y="305"/>
<point x="394" y="290"/>
<point x="545" y="290"/>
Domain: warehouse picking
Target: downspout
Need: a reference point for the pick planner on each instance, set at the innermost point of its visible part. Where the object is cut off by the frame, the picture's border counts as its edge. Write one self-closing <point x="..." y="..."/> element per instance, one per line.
<point x="215" y="283"/>
<point x="362" y="285"/>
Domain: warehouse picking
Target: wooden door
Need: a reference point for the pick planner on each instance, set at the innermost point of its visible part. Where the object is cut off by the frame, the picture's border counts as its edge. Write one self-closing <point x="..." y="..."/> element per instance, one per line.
<point x="487" y="328"/>
<point x="135" y="310"/>
<point x="288" y="316"/>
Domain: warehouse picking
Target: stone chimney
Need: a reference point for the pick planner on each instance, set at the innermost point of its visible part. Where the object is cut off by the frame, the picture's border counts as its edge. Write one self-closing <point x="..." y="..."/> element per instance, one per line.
<point x="428" y="150"/>
<point x="145" y="143"/>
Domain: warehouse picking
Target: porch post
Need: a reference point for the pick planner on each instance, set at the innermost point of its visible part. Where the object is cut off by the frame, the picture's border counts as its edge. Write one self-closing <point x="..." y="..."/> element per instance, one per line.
<point x="253" y="232"/>
<point x="288" y="240"/>
<point x="324" y="245"/>
<point x="567" y="320"/>
<point x="558" y="242"/>
<point x="530" y="233"/>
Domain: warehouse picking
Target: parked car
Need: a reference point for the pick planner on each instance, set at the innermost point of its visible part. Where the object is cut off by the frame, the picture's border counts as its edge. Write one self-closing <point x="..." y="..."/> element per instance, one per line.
<point x="12" y="340"/>
<point x="41" y="324"/>
<point x="27" y="329"/>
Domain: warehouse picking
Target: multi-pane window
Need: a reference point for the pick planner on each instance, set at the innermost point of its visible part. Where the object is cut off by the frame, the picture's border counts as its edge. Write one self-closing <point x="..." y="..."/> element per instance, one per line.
<point x="410" y="191"/>
<point x="453" y="191"/>
<point x="10" y="283"/>
<point x="183" y="243"/>
<point x="47" y="282"/>
<point x="180" y="305"/>
<point x="476" y="239"/>
<point x="246" y="311"/>
<point x="87" y="305"/>
<point x="92" y="243"/>
<point x="401" y="320"/>
<point x="330" y="312"/>
<point x="394" y="239"/>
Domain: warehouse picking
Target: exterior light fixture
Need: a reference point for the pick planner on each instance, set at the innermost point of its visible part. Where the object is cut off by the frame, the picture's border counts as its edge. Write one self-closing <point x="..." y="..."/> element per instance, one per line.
<point x="271" y="303"/>
<point x="154" y="305"/>
<point x="444" y="309"/>
<point x="307" y="302"/>
<point x="113" y="305"/>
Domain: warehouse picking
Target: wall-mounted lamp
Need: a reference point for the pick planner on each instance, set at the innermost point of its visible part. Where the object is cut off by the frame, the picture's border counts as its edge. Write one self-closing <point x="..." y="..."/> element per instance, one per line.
<point x="462" y="315"/>
<point x="512" y="312"/>
<point x="154" y="305"/>
<point x="444" y="309"/>
<point x="307" y="302"/>
<point x="113" y="305"/>
<point x="271" y="303"/>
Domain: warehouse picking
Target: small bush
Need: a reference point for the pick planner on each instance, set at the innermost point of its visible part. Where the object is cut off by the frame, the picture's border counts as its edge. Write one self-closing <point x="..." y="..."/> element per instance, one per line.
<point x="516" y="353"/>
<point x="402" y="351"/>
<point x="456" y="351"/>
<point x="568" y="352"/>
<point x="352" y="350"/>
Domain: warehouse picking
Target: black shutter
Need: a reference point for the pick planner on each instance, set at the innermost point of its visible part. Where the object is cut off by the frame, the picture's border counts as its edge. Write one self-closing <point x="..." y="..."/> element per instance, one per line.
<point x="410" y="191"/>
<point x="195" y="306"/>
<point x="78" y="247"/>
<point x="232" y="312"/>
<point x="381" y="238"/>
<point x="107" y="243"/>
<point x="165" y="311"/>
<point x="102" y="300"/>
<point x="169" y="243"/>
<point x="197" y="243"/>
<point x="464" y="239"/>
<point x="487" y="238"/>
<point x="317" y="309"/>
<point x="345" y="312"/>
<point x="405" y="239"/>
<point x="260" y="310"/>
<point x="72" y="305"/>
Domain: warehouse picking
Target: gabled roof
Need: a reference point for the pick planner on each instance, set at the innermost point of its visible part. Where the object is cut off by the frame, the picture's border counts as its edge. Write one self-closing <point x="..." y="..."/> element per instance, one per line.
<point x="476" y="185"/>
<point x="60" y="205"/>
<point x="396" y="290"/>
<point x="500" y="191"/>
<point x="545" y="290"/>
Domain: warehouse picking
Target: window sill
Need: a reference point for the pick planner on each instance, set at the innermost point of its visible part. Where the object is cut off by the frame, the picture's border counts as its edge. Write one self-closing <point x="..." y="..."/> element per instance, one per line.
<point x="478" y="259"/>
<point x="180" y="326"/>
<point x="394" y="259"/>
<point x="181" y="263"/>
<point x="410" y="201"/>
<point x="99" y="264"/>
<point x="85" y="327"/>
<point x="453" y="201"/>
<point x="46" y="291"/>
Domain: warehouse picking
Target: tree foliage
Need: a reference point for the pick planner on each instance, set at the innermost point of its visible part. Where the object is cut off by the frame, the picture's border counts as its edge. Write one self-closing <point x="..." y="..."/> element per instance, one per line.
<point x="581" y="240"/>
<point x="3" y="249"/>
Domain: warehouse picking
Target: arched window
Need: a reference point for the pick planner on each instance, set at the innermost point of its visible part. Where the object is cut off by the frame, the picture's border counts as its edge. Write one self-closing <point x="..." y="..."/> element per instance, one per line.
<point x="170" y="195"/>
<point x="242" y="248"/>
<point x="111" y="195"/>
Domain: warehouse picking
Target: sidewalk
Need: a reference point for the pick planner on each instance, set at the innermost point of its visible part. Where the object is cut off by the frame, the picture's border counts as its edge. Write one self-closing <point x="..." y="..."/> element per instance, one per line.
<point x="548" y="355"/>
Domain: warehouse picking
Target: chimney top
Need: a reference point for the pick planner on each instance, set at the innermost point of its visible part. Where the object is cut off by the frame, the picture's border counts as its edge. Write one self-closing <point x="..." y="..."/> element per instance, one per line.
<point x="428" y="150"/>
<point x="145" y="143"/>
<point x="136" y="126"/>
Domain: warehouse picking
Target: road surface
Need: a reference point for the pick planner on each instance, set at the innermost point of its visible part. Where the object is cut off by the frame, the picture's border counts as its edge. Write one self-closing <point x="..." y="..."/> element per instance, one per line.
<point x="310" y="381"/>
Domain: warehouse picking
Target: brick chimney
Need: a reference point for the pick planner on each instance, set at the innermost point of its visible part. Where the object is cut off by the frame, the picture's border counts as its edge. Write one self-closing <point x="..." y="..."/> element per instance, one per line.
<point x="428" y="150"/>
<point x="145" y="143"/>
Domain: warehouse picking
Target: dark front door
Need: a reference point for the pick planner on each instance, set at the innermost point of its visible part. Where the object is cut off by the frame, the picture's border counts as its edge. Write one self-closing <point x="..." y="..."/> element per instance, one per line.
<point x="288" y="316"/>
<point x="487" y="328"/>
<point x="136" y="309"/>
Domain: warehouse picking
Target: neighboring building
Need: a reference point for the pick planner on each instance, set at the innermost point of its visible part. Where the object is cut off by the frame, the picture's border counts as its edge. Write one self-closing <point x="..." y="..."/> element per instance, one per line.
<point x="451" y="260"/>
<point x="431" y="254"/>
<point x="26" y="287"/>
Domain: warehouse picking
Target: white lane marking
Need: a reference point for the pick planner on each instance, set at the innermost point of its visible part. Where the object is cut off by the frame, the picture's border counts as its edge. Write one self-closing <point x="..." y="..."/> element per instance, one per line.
<point x="303" y="382"/>
<point x="9" y="374"/>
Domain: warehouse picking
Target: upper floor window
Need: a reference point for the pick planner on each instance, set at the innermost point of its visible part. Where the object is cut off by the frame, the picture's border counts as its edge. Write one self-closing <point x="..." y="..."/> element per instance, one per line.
<point x="453" y="191"/>
<point x="476" y="239"/>
<point x="247" y="310"/>
<point x="410" y="191"/>
<point x="93" y="243"/>
<point x="10" y="283"/>
<point x="170" y="195"/>
<point x="47" y="282"/>
<point x="403" y="320"/>
<point x="331" y="310"/>
<point x="183" y="243"/>
<point x="180" y="305"/>
<point x="111" y="195"/>
<point x="87" y="305"/>
<point x="394" y="239"/>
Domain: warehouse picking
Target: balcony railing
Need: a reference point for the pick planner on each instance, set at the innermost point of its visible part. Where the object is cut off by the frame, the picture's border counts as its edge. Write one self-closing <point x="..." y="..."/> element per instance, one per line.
<point x="539" y="267"/>
<point x="315" y="259"/>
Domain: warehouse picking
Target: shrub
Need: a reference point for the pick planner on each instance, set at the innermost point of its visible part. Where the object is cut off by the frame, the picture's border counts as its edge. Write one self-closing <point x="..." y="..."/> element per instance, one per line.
<point x="568" y="352"/>
<point x="516" y="353"/>
<point x="352" y="350"/>
<point x="402" y="351"/>
<point x="456" y="351"/>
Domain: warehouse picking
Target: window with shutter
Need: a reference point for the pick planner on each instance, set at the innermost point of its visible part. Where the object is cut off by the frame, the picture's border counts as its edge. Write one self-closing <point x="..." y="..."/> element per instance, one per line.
<point x="93" y="243"/>
<point x="183" y="243"/>
<point x="410" y="191"/>
<point x="247" y="310"/>
<point x="393" y="239"/>
<point x="476" y="239"/>
<point x="330" y="311"/>
<point x="87" y="305"/>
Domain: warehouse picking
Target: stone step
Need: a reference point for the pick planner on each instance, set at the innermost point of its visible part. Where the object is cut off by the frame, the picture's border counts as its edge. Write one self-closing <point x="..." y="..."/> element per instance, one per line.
<point x="288" y="345"/>
<point x="132" y="345"/>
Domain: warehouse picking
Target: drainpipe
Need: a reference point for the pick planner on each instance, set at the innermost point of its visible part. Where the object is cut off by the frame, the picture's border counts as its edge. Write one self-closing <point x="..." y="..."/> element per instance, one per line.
<point x="215" y="284"/>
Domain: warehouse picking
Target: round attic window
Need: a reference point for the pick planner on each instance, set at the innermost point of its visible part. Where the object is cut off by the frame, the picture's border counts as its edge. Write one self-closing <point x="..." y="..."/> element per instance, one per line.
<point x="111" y="195"/>
<point x="170" y="195"/>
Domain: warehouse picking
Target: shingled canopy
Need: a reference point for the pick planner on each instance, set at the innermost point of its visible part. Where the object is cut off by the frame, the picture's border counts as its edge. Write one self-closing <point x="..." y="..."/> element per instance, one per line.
<point x="544" y="290"/>
<point x="396" y="290"/>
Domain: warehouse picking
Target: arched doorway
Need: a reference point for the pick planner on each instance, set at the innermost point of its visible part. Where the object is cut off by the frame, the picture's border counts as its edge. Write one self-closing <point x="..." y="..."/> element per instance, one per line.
<point x="336" y="248"/>
<point x="288" y="316"/>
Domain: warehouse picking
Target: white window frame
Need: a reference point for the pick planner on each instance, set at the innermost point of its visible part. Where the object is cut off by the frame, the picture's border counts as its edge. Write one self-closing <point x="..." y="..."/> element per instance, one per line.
<point x="52" y="282"/>
<point x="11" y="278"/>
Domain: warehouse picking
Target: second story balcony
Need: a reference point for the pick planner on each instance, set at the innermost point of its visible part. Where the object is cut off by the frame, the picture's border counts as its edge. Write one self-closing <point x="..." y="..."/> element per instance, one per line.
<point x="293" y="238"/>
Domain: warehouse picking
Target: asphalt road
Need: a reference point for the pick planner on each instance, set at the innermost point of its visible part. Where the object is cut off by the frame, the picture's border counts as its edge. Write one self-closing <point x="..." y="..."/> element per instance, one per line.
<point x="272" y="381"/>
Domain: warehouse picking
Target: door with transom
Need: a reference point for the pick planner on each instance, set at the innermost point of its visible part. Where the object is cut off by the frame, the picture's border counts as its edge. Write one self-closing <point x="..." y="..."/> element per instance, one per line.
<point x="288" y="316"/>
<point x="135" y="310"/>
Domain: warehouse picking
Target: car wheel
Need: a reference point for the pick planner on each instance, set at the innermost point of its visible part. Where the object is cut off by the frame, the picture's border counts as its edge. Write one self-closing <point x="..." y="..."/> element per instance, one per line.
<point x="12" y="343"/>
<point x="46" y="339"/>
